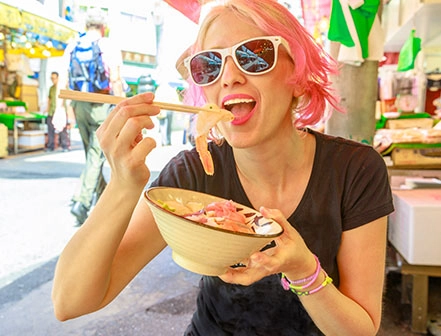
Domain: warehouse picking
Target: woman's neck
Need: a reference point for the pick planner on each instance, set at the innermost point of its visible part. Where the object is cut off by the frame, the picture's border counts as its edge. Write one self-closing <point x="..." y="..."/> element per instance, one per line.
<point x="278" y="176"/>
<point x="276" y="159"/>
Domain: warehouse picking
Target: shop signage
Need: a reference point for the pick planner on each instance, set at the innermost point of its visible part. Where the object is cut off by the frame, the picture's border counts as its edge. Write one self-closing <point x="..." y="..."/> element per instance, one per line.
<point x="32" y="35"/>
<point x="9" y="16"/>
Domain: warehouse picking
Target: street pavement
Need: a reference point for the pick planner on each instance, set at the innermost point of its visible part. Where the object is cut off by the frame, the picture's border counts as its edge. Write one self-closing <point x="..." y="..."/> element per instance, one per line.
<point x="35" y="225"/>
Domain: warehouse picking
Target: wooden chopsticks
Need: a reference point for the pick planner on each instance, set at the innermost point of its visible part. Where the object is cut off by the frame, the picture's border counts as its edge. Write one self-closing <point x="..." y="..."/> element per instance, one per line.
<point x="109" y="99"/>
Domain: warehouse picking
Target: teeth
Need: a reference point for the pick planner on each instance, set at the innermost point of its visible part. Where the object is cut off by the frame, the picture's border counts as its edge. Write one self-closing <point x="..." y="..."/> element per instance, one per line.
<point x="238" y="101"/>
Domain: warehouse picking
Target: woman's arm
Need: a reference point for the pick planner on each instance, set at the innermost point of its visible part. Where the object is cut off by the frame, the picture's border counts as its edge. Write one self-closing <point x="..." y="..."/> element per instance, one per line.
<point x="355" y="307"/>
<point x="120" y="235"/>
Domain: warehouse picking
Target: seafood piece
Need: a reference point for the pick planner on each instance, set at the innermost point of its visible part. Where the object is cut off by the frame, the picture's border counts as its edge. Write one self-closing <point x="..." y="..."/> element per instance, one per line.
<point x="206" y="120"/>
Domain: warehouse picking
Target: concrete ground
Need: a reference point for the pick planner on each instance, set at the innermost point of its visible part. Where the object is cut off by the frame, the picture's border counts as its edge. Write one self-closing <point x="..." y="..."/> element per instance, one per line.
<point x="35" y="225"/>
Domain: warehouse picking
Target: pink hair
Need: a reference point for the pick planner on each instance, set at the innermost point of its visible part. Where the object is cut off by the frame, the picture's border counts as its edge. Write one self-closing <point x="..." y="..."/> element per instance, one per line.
<point x="313" y="65"/>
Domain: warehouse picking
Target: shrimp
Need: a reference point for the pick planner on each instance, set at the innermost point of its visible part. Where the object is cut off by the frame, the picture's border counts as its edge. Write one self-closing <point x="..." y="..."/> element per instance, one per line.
<point x="206" y="120"/>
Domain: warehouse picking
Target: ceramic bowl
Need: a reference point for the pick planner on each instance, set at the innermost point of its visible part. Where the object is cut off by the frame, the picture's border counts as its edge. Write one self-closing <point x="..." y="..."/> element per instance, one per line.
<point x="205" y="249"/>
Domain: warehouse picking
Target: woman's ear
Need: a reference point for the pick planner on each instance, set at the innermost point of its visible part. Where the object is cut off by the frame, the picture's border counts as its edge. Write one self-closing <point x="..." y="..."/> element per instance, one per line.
<point x="294" y="103"/>
<point x="297" y="91"/>
<point x="180" y="63"/>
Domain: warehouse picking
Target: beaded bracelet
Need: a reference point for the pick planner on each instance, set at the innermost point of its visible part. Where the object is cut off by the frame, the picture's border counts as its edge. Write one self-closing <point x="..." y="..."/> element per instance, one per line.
<point x="300" y="290"/>
<point x="287" y="284"/>
<point x="293" y="289"/>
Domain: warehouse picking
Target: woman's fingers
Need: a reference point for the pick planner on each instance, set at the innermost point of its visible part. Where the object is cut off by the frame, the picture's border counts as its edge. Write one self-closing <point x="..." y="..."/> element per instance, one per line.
<point x="289" y="233"/>
<point x="145" y="98"/>
<point x="144" y="147"/>
<point x="140" y="105"/>
<point x="276" y="215"/>
<point x="289" y="251"/>
<point x="124" y="124"/>
<point x="131" y="132"/>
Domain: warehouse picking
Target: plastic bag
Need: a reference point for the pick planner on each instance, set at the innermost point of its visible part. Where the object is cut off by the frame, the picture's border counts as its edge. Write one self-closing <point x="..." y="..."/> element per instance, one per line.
<point x="409" y="52"/>
<point x="59" y="120"/>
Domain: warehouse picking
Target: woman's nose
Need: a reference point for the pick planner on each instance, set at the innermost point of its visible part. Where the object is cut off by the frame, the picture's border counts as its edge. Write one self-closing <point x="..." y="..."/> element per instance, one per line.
<point x="231" y="73"/>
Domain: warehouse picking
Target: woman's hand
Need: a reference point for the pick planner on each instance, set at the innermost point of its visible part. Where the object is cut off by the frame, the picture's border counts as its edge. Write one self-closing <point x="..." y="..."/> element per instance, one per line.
<point x="290" y="255"/>
<point x="122" y="141"/>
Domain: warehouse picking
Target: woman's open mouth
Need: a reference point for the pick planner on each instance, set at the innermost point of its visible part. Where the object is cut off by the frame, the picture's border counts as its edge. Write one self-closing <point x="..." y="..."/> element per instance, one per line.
<point x="242" y="109"/>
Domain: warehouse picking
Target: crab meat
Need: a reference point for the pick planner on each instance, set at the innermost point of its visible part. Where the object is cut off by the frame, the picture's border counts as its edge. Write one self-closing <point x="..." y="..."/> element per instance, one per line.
<point x="206" y="120"/>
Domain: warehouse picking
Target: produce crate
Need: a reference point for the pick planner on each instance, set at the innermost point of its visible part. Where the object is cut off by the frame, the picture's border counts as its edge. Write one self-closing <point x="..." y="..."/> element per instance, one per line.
<point x="405" y="120"/>
<point x="409" y="123"/>
<point x="415" y="155"/>
<point x="28" y="139"/>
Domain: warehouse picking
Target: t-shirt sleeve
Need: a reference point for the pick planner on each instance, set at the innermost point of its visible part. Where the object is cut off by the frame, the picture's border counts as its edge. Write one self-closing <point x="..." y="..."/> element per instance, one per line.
<point x="368" y="194"/>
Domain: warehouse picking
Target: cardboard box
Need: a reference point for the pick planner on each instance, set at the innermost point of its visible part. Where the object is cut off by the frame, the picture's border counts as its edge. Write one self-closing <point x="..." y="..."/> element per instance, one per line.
<point x="421" y="157"/>
<point x="33" y="139"/>
<point x="415" y="226"/>
<point x="3" y="141"/>
<point x="409" y="123"/>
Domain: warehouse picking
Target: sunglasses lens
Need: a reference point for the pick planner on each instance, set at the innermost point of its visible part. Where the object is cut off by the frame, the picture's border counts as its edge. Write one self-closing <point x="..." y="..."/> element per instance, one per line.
<point x="256" y="56"/>
<point x="205" y="67"/>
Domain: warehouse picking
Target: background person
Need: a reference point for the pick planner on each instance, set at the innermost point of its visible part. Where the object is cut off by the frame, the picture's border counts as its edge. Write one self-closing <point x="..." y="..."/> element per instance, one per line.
<point x="63" y="135"/>
<point x="89" y="116"/>
<point x="331" y="195"/>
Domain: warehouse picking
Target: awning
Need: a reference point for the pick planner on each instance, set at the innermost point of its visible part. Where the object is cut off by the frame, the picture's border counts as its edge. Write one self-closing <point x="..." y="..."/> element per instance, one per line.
<point x="32" y="34"/>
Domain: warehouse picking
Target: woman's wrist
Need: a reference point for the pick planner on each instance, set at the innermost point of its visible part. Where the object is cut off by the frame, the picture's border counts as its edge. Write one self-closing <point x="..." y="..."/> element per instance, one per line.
<point x="308" y="285"/>
<point x="303" y="270"/>
<point x="305" y="282"/>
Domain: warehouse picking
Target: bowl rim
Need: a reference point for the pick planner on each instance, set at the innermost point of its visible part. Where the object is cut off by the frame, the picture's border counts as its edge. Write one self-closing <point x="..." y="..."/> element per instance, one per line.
<point x="253" y="235"/>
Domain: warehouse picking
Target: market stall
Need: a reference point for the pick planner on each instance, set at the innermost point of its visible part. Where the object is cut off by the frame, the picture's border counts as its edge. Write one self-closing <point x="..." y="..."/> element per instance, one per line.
<point x="410" y="143"/>
<point x="408" y="135"/>
<point x="26" y="32"/>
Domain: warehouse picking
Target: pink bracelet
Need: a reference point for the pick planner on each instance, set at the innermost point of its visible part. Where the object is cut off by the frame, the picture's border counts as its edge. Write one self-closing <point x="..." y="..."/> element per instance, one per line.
<point x="288" y="284"/>
<point x="325" y="282"/>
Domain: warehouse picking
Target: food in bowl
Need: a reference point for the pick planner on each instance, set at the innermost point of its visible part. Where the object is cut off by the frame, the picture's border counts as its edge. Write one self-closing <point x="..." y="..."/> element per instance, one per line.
<point x="221" y="214"/>
<point x="202" y="248"/>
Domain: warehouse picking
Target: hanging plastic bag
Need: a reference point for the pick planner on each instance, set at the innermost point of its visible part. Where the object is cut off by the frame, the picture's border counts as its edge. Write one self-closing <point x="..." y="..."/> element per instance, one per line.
<point x="59" y="120"/>
<point x="409" y="52"/>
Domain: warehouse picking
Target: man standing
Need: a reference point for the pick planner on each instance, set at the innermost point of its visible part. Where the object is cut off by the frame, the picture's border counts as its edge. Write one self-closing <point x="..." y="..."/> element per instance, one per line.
<point x="89" y="116"/>
<point x="51" y="107"/>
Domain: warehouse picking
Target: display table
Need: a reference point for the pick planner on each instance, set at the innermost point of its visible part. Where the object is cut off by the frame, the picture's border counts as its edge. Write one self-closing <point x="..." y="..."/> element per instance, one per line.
<point x="24" y="127"/>
<point x="13" y="105"/>
<point x="418" y="277"/>
<point x="411" y="241"/>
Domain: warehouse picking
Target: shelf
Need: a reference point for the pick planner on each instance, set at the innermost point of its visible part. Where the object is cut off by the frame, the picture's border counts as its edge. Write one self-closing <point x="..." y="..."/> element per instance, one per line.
<point x="400" y="17"/>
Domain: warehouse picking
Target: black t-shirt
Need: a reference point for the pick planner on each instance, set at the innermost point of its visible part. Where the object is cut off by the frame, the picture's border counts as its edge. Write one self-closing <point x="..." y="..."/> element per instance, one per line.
<point x="349" y="187"/>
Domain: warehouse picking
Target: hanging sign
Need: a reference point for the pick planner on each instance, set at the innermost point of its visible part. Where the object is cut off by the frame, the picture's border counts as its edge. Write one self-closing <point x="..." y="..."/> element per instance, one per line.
<point x="9" y="16"/>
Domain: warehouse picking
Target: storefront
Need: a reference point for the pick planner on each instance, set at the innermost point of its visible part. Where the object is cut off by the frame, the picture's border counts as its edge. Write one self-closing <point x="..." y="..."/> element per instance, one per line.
<point x="27" y="36"/>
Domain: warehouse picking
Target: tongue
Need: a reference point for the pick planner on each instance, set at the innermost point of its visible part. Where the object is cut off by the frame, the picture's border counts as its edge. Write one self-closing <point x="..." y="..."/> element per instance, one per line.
<point x="242" y="109"/>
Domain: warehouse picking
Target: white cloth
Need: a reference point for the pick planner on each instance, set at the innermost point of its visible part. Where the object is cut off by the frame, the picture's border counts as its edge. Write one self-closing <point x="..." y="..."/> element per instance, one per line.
<point x="353" y="55"/>
<point x="59" y="120"/>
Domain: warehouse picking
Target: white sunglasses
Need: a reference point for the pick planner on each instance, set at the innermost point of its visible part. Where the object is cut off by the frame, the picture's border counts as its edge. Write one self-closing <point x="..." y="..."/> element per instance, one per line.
<point x="256" y="56"/>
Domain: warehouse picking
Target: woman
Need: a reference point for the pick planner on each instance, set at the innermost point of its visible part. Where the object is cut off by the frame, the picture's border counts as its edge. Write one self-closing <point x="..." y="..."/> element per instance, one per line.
<point x="330" y="195"/>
